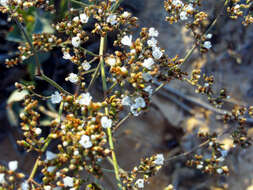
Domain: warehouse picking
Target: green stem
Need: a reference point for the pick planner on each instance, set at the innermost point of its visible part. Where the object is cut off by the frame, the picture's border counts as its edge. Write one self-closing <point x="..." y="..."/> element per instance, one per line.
<point x="53" y="83"/>
<point x="102" y="66"/>
<point x="89" y="52"/>
<point x="114" y="159"/>
<point x="80" y="3"/>
<point x="23" y="30"/>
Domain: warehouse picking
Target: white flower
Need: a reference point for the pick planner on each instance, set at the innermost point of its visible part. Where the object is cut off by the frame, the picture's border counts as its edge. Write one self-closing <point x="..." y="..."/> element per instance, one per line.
<point x="189" y="7"/>
<point x="85" y="141"/>
<point x="50" y="155"/>
<point x="159" y="159"/>
<point x="183" y="15"/>
<point x="127" y="40"/>
<point x="76" y="41"/>
<point x="13" y="165"/>
<point x="209" y="36"/>
<point x="50" y="169"/>
<point x="148" y="63"/>
<point x="76" y="19"/>
<point x="56" y="98"/>
<point x="25" y="186"/>
<point x="135" y="110"/>
<point x="177" y="3"/>
<point x="125" y="14"/>
<point x="2" y="180"/>
<point x="140" y="183"/>
<point x="68" y="181"/>
<point x="66" y="55"/>
<point x="38" y="131"/>
<point x="140" y="102"/>
<point x="86" y="66"/>
<point x="4" y="3"/>
<point x="50" y="40"/>
<point x="149" y="90"/>
<point x="111" y="61"/>
<point x="112" y="19"/>
<point x="199" y="166"/>
<point x="126" y="101"/>
<point x="47" y="187"/>
<point x="207" y="44"/>
<point x="153" y="32"/>
<point x="219" y="170"/>
<point x="84" y="18"/>
<point x="106" y="122"/>
<point x="146" y="77"/>
<point x="152" y="42"/>
<point x="76" y="153"/>
<point x="157" y="53"/>
<point x="72" y="78"/>
<point x="85" y="99"/>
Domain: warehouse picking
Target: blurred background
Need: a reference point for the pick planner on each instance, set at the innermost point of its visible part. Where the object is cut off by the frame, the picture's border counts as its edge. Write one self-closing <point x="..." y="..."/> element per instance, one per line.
<point x="172" y="122"/>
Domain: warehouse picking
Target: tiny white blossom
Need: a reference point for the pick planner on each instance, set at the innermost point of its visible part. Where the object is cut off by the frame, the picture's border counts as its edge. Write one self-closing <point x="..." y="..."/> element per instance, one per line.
<point x="106" y="122"/>
<point x="25" y="186"/>
<point x="84" y="18"/>
<point x="47" y="187"/>
<point x="85" y="141"/>
<point x="76" y="41"/>
<point x="135" y="110"/>
<point x="4" y="3"/>
<point x="199" y="166"/>
<point x="153" y="32"/>
<point x="127" y="40"/>
<point x="152" y="42"/>
<point x="125" y="14"/>
<point x="183" y="15"/>
<point x="51" y="168"/>
<point x="177" y="3"/>
<point x="111" y="61"/>
<point x="159" y="159"/>
<point x="76" y="19"/>
<point x="72" y="78"/>
<point x="140" y="102"/>
<point x="68" y="181"/>
<point x="149" y="90"/>
<point x="207" y="44"/>
<point x="209" y="36"/>
<point x="85" y="99"/>
<point x="56" y="98"/>
<point x="112" y="19"/>
<point x="2" y="179"/>
<point x="219" y="170"/>
<point x="13" y="165"/>
<point x="76" y="153"/>
<point x="148" y="63"/>
<point x="146" y="77"/>
<point x="50" y="155"/>
<point x="189" y="7"/>
<point x="38" y="131"/>
<point x="86" y="66"/>
<point x="66" y="55"/>
<point x="126" y="101"/>
<point x="50" y="40"/>
<point x="140" y="183"/>
<point x="157" y="53"/>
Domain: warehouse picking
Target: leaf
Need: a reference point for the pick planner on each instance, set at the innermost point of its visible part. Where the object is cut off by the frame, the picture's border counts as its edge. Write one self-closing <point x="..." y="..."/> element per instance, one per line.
<point x="16" y="96"/>
<point x="14" y="35"/>
<point x="42" y="25"/>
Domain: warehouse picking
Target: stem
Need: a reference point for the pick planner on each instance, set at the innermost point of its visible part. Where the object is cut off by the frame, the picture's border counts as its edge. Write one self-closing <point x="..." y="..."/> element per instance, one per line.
<point x="114" y="159"/>
<point x="80" y="3"/>
<point x="48" y="141"/>
<point x="23" y="30"/>
<point x="102" y="66"/>
<point x="53" y="83"/>
<point x="117" y="5"/>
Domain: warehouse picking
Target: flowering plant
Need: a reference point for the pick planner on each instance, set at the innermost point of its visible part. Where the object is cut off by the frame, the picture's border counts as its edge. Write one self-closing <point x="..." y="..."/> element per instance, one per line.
<point x="84" y="125"/>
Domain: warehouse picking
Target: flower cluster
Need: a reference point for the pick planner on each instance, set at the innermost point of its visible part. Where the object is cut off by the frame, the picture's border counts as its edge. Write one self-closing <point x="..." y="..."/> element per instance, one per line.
<point x="141" y="173"/>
